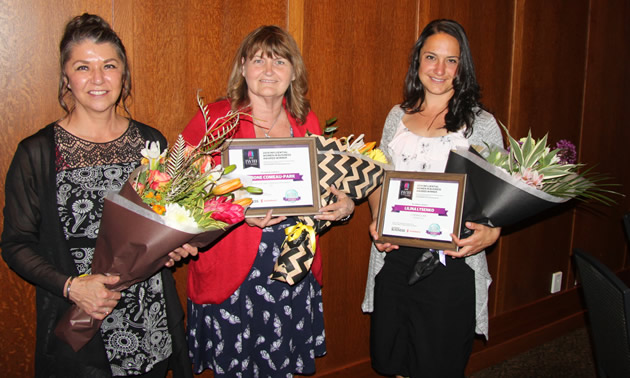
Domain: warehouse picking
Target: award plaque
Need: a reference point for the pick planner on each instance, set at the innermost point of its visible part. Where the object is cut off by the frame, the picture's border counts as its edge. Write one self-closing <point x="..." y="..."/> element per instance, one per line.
<point x="284" y="168"/>
<point x="421" y="209"/>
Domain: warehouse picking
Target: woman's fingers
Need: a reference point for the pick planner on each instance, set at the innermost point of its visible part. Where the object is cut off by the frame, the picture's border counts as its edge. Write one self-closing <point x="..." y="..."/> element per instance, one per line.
<point x="340" y="209"/>
<point x="92" y="296"/>
<point x="266" y="221"/>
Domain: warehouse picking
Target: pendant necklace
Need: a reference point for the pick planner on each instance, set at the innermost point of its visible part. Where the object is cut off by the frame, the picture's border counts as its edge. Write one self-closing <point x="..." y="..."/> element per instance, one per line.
<point x="272" y="126"/>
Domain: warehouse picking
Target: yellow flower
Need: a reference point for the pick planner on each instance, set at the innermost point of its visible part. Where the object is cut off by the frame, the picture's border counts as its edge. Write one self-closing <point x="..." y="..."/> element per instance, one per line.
<point x="377" y="155"/>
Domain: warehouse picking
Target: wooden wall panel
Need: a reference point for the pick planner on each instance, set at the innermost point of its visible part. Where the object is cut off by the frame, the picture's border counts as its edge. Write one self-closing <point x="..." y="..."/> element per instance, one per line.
<point x="356" y="71"/>
<point x="605" y="132"/>
<point x="548" y="94"/>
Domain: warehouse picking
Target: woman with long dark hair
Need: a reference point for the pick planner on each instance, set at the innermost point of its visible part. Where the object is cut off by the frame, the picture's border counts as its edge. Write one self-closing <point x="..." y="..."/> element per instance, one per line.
<point x="427" y="328"/>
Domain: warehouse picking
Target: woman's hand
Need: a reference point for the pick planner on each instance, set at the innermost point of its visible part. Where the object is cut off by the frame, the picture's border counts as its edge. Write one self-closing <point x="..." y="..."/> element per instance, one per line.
<point x="266" y="221"/>
<point x="383" y="247"/>
<point x="342" y="208"/>
<point x="181" y="253"/>
<point x="91" y="295"/>
<point x="482" y="237"/>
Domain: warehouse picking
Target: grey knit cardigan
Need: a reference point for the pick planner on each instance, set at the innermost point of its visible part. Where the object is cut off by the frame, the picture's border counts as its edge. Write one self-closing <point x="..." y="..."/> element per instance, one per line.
<point x="485" y="130"/>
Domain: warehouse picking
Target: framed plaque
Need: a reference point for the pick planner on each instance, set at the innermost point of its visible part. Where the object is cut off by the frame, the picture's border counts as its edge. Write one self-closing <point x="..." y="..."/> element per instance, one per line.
<point x="421" y="209"/>
<point x="284" y="168"/>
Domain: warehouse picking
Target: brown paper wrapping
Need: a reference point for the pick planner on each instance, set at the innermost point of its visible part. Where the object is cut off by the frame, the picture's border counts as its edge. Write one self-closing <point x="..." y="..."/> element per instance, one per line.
<point x="132" y="243"/>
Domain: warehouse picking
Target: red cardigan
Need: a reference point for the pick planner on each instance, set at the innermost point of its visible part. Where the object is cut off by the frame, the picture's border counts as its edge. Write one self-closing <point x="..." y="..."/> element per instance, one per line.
<point x="219" y="271"/>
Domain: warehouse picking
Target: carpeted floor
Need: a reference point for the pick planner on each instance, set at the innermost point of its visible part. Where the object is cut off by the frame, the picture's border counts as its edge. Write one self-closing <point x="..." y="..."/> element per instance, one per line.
<point x="567" y="356"/>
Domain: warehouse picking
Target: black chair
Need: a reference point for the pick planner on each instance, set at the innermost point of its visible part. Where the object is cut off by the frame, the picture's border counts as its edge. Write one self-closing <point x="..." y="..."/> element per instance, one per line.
<point x="626" y="224"/>
<point x="608" y="304"/>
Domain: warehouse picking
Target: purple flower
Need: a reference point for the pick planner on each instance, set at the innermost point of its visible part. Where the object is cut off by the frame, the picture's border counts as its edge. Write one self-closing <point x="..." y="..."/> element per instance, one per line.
<point x="566" y="153"/>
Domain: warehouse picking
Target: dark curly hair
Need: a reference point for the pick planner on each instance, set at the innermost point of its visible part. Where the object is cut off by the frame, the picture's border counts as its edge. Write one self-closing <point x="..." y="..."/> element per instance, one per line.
<point x="464" y="104"/>
<point x="96" y="29"/>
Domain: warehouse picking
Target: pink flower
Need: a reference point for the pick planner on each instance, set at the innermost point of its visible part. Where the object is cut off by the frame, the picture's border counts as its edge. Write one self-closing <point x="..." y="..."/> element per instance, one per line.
<point x="224" y="210"/>
<point x="158" y="179"/>
<point x="531" y="178"/>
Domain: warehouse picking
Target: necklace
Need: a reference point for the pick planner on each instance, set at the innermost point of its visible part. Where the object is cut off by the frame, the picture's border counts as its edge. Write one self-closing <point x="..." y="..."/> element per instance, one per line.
<point x="272" y="126"/>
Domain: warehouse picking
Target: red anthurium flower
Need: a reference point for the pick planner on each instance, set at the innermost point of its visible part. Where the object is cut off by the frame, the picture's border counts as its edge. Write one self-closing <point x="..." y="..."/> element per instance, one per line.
<point x="224" y="210"/>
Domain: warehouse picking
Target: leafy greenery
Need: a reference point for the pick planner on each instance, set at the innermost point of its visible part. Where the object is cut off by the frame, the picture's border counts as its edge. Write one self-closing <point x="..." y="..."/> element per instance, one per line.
<point x="535" y="163"/>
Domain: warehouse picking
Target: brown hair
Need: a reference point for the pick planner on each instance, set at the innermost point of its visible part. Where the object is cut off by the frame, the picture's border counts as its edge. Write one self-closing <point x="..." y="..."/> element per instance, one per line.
<point x="271" y="41"/>
<point x="96" y="29"/>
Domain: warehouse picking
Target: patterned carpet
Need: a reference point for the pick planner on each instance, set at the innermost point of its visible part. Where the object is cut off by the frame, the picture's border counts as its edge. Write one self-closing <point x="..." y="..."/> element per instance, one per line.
<point x="567" y="356"/>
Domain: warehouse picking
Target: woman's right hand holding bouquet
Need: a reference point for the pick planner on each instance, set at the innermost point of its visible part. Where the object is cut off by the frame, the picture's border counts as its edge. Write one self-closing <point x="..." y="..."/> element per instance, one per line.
<point x="90" y="294"/>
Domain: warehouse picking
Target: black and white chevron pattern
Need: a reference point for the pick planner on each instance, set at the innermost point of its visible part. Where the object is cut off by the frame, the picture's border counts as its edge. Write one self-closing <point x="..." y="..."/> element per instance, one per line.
<point x="356" y="175"/>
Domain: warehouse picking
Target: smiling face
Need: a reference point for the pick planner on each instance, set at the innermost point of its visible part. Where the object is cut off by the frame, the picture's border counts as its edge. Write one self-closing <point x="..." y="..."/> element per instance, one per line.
<point x="439" y="59"/>
<point x="267" y="76"/>
<point x="94" y="76"/>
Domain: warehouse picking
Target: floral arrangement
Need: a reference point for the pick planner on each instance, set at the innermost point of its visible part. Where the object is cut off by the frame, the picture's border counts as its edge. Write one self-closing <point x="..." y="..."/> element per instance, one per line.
<point x="554" y="171"/>
<point x="184" y="185"/>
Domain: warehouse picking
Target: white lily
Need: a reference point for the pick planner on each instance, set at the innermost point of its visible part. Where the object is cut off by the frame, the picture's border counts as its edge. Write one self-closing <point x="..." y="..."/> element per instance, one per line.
<point x="152" y="153"/>
<point x="356" y="145"/>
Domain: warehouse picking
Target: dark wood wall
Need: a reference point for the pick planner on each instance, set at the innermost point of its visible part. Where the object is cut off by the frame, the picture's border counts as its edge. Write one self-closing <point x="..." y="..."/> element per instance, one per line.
<point x="556" y="67"/>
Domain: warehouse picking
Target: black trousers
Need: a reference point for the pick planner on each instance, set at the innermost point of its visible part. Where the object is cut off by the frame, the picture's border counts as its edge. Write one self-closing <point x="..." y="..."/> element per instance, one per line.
<point x="426" y="329"/>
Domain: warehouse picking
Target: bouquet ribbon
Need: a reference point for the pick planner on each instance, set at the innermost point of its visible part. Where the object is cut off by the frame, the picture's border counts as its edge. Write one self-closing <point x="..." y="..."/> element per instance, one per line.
<point x="295" y="232"/>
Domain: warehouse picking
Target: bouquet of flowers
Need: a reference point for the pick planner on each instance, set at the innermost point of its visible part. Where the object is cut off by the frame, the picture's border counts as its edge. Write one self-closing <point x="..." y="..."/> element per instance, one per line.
<point x="529" y="177"/>
<point x="509" y="186"/>
<point x="176" y="196"/>
<point x="354" y="167"/>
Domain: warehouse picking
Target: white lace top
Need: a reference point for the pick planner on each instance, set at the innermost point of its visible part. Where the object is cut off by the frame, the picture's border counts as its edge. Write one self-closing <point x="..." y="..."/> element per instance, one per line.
<point x="417" y="153"/>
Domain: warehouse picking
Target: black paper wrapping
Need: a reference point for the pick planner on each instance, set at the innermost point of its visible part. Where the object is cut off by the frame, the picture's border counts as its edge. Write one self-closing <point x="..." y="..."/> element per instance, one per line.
<point x="494" y="197"/>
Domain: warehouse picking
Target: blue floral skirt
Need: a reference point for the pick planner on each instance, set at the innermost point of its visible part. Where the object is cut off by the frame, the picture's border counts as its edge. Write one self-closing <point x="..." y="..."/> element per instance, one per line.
<point x="267" y="328"/>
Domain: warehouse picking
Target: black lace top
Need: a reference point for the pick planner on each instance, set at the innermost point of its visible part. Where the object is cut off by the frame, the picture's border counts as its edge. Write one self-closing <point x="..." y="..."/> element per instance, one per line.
<point x="135" y="334"/>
